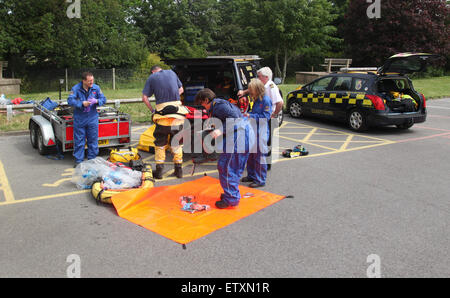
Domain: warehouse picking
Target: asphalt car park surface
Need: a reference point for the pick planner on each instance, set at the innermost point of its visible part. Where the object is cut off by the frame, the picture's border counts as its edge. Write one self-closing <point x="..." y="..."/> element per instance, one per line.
<point x="383" y="192"/>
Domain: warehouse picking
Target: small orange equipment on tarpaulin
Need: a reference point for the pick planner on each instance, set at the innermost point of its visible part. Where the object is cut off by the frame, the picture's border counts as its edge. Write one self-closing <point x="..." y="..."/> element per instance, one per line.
<point x="158" y="209"/>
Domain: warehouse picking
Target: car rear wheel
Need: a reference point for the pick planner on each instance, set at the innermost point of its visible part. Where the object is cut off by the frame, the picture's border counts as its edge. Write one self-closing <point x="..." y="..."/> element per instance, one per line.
<point x="408" y="124"/>
<point x="357" y="120"/>
<point x="295" y="109"/>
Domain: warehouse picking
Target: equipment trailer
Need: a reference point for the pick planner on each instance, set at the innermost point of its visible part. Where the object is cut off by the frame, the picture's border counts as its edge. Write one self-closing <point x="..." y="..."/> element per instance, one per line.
<point x="52" y="128"/>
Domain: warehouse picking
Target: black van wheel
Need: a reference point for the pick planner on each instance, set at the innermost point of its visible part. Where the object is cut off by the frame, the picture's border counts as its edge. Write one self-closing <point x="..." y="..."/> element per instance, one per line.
<point x="357" y="120"/>
<point x="408" y="124"/>
<point x="33" y="134"/>
<point x="295" y="109"/>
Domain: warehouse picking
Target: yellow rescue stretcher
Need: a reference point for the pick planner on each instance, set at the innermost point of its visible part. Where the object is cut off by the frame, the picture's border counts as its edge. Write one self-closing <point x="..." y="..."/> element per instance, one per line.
<point x="101" y="194"/>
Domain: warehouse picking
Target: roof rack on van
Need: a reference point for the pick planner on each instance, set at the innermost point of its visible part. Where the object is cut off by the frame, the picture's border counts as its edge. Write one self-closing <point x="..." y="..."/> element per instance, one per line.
<point x="359" y="69"/>
<point x="239" y="58"/>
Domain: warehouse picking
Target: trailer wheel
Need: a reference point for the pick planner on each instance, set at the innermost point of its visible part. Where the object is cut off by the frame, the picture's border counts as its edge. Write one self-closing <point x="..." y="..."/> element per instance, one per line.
<point x="33" y="135"/>
<point x="43" y="150"/>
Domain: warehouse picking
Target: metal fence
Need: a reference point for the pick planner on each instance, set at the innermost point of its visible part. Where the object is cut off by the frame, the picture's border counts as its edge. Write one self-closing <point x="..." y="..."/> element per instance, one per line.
<point x="51" y="80"/>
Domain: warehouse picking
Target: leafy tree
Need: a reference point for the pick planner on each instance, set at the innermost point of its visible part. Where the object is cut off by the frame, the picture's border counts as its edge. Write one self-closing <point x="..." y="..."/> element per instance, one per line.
<point x="231" y="37"/>
<point x="337" y="46"/>
<point x="404" y="26"/>
<point x="286" y="29"/>
<point x="177" y="28"/>
<point x="39" y="32"/>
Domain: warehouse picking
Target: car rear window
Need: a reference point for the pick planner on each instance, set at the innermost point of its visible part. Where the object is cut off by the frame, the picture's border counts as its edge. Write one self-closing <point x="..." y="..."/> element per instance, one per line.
<point x="397" y="85"/>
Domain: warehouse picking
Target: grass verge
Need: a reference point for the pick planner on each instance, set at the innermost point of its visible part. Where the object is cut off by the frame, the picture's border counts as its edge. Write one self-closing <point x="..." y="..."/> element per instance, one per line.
<point x="431" y="88"/>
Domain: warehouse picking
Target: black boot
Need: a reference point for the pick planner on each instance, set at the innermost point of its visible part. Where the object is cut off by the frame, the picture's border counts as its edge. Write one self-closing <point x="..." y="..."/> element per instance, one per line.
<point x="246" y="179"/>
<point x="178" y="170"/>
<point x="157" y="174"/>
<point x="222" y="204"/>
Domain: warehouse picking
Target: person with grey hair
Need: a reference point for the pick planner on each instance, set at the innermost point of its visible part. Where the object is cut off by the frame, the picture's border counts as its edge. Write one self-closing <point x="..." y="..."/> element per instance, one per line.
<point x="261" y="111"/>
<point x="265" y="75"/>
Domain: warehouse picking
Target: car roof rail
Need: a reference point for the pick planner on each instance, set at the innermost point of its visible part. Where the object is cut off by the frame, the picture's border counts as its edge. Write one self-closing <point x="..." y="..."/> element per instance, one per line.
<point x="359" y="70"/>
<point x="238" y="58"/>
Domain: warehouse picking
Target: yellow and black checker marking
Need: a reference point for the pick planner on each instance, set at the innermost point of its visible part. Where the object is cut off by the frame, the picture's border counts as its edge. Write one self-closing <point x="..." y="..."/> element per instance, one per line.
<point x="349" y="98"/>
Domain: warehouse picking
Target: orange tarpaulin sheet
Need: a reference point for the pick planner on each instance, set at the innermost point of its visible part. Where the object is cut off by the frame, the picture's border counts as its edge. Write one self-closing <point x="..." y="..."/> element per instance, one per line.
<point x="159" y="209"/>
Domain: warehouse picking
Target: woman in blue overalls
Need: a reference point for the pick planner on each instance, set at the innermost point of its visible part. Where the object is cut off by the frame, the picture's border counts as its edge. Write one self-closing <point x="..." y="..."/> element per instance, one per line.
<point x="232" y="160"/>
<point x="261" y="112"/>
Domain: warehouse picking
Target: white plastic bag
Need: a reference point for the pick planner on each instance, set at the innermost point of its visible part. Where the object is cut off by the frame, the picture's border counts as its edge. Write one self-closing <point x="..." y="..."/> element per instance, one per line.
<point x="4" y="100"/>
<point x="114" y="177"/>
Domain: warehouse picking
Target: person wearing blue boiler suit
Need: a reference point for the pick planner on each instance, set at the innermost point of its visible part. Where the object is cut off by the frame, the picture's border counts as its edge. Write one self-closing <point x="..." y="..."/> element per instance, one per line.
<point x="85" y="97"/>
<point x="232" y="160"/>
<point x="261" y="112"/>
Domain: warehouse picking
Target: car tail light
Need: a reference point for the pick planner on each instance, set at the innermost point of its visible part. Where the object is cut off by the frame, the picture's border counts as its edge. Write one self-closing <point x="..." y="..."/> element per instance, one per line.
<point x="69" y="146"/>
<point x="51" y="143"/>
<point x="424" y="101"/>
<point x="124" y="140"/>
<point x="377" y="102"/>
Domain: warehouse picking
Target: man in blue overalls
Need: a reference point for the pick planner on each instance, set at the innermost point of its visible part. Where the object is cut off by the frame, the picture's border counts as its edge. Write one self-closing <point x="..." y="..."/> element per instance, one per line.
<point x="232" y="161"/>
<point x="85" y="97"/>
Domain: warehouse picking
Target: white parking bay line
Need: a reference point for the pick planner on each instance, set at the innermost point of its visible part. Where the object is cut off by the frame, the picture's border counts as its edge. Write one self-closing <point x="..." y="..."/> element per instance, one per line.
<point x="438" y="107"/>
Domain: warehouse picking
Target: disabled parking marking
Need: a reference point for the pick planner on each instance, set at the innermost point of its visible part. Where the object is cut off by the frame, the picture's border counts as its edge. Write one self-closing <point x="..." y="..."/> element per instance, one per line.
<point x="9" y="196"/>
<point x="4" y="185"/>
<point x="67" y="172"/>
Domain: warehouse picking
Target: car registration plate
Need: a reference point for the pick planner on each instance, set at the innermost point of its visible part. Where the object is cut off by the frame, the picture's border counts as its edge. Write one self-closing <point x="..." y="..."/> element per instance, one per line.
<point x="103" y="142"/>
